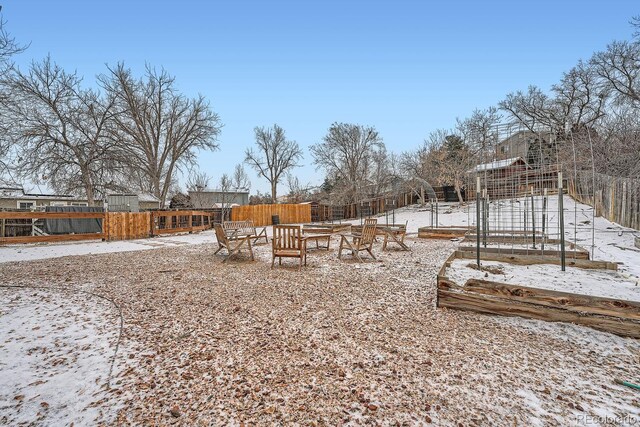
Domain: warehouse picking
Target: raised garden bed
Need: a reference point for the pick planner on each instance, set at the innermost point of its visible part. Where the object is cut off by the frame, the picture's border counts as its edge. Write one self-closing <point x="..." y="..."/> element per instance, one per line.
<point x="510" y="248"/>
<point x="442" y="233"/>
<point x="589" y="293"/>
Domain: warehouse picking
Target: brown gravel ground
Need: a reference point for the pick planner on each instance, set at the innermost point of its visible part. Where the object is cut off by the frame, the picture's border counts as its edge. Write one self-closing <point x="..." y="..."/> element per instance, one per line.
<point x="206" y="343"/>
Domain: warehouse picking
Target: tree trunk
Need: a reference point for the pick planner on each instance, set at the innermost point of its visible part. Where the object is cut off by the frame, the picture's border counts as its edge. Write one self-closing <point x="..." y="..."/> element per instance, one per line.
<point x="458" y="192"/>
<point x="88" y="186"/>
<point x="274" y="198"/>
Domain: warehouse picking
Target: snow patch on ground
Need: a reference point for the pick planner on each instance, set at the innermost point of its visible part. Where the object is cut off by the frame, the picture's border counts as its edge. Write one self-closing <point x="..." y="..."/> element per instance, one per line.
<point x="31" y="252"/>
<point x="56" y="349"/>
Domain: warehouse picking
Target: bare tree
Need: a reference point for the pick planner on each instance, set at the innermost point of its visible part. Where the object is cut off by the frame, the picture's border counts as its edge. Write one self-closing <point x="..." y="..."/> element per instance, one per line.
<point x="275" y="156"/>
<point x="240" y="179"/>
<point x="162" y="129"/>
<point x="580" y="99"/>
<point x="8" y="46"/>
<point x="532" y="109"/>
<point x="347" y="153"/>
<point x="63" y="133"/>
<point x="619" y="68"/>
<point x="225" y="185"/>
<point x="381" y="175"/>
<point x="197" y="182"/>
<point x="298" y="192"/>
<point x="479" y="130"/>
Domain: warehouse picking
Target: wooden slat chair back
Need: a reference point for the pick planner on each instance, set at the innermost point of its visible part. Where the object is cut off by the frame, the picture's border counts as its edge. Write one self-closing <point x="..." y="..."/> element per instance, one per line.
<point x="288" y="243"/>
<point x="235" y="229"/>
<point x="360" y="242"/>
<point x="369" y="231"/>
<point x="232" y="246"/>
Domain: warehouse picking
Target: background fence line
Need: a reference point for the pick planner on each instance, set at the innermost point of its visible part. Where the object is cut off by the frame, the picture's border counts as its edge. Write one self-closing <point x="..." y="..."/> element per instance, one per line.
<point x="614" y="198"/>
<point x="262" y="215"/>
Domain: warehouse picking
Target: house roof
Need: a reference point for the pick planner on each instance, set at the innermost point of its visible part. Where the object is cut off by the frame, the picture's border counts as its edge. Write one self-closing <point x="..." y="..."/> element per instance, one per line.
<point x="498" y="164"/>
<point x="148" y="198"/>
<point x="142" y="197"/>
<point x="226" y="205"/>
<point x="18" y="193"/>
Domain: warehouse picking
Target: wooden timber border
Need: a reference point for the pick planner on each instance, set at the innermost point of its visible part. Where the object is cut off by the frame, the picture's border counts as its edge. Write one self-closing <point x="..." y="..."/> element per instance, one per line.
<point x="442" y="233"/>
<point x="617" y="316"/>
<point x="114" y="225"/>
<point x="326" y="228"/>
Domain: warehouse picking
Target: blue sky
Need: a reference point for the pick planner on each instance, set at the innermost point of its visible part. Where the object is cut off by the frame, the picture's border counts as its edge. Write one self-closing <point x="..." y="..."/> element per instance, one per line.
<point x="405" y="67"/>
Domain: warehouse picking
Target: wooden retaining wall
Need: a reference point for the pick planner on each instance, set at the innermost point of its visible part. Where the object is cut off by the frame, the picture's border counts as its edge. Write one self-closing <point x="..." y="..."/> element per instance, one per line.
<point x="620" y="317"/>
<point x="262" y="214"/>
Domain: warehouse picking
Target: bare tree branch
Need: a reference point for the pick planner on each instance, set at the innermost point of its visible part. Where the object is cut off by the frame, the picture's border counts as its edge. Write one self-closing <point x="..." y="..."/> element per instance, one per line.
<point x="275" y="155"/>
<point x="161" y="129"/>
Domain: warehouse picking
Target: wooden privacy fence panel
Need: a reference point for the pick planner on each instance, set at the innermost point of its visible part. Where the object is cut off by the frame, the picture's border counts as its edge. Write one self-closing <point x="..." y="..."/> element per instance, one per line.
<point x="261" y="215"/>
<point x="617" y="199"/>
<point x="127" y="225"/>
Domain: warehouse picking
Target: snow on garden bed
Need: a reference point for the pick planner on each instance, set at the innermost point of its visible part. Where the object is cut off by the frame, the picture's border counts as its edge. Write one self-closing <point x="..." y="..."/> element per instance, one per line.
<point x="600" y="283"/>
<point x="56" y="349"/>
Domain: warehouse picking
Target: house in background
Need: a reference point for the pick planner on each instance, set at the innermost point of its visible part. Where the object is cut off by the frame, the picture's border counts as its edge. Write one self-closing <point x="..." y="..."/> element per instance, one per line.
<point x="502" y="168"/>
<point x="17" y="198"/>
<point x="533" y="147"/>
<point x="211" y="198"/>
<point x="132" y="202"/>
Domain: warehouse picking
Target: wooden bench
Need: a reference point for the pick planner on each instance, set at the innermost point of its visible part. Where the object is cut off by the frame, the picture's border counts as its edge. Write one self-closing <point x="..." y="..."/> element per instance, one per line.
<point x="239" y="229"/>
<point x="233" y="247"/>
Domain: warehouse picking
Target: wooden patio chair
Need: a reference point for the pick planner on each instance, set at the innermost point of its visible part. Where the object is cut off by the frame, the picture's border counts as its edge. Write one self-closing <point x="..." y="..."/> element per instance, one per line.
<point x="288" y="243"/>
<point x="232" y="246"/>
<point x="361" y="241"/>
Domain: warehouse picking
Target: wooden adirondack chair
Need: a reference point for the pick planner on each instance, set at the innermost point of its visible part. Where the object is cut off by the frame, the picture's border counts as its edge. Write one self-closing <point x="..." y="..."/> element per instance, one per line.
<point x="232" y="246"/>
<point x="360" y="242"/>
<point x="288" y="243"/>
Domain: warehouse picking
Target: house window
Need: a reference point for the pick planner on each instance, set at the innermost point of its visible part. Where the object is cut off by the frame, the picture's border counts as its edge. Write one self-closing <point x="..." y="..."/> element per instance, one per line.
<point x="78" y="204"/>
<point x="26" y="205"/>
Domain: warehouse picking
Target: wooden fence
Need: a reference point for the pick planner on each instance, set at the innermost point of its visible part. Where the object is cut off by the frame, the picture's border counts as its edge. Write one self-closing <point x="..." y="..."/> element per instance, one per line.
<point x="167" y="222"/>
<point x="366" y="208"/>
<point x="262" y="214"/>
<point x="27" y="227"/>
<point x="617" y="199"/>
<point x="127" y="225"/>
